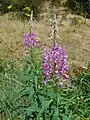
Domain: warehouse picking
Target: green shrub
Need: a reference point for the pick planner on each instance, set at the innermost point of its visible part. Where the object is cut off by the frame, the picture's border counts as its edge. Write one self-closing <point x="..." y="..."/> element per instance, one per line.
<point x="19" y="5"/>
<point x="81" y="7"/>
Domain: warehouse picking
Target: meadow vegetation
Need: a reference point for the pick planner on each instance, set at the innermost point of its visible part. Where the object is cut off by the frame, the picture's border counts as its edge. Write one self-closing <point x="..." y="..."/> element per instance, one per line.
<point x="43" y="78"/>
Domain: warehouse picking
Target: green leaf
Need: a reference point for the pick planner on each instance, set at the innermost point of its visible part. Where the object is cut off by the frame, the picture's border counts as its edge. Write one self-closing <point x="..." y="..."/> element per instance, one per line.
<point x="33" y="108"/>
<point x="28" y="91"/>
<point x="36" y="81"/>
<point x="46" y="105"/>
<point x="55" y="115"/>
<point x="42" y="100"/>
<point x="65" y="117"/>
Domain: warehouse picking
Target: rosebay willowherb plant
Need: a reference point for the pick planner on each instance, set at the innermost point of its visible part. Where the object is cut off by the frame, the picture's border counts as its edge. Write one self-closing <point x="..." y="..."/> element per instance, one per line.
<point x="55" y="67"/>
<point x="55" y="61"/>
<point x="30" y="40"/>
<point x="55" y="64"/>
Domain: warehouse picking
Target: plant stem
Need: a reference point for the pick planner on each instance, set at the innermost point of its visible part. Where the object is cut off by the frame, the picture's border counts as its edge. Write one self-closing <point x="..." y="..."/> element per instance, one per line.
<point x="31" y="22"/>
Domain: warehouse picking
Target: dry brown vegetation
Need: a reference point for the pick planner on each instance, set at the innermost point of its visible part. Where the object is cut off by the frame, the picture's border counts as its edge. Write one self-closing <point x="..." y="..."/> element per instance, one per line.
<point x="75" y="38"/>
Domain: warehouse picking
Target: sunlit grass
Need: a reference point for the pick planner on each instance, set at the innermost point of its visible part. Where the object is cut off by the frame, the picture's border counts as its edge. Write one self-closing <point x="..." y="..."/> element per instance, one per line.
<point x="12" y="31"/>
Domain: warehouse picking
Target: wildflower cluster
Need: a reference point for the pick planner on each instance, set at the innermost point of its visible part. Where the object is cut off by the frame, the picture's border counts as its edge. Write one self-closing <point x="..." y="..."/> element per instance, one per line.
<point x="55" y="64"/>
<point x="30" y="40"/>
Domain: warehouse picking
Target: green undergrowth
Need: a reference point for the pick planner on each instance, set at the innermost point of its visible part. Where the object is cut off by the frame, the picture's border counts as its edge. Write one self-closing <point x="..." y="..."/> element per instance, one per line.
<point x="23" y="96"/>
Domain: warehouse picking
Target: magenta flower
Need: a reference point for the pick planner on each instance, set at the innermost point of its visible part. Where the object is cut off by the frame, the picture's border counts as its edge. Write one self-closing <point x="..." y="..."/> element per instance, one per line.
<point x="47" y="67"/>
<point x="55" y="64"/>
<point x="30" y="40"/>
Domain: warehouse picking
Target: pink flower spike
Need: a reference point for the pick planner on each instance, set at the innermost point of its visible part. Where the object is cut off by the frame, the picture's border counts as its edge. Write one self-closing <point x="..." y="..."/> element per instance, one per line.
<point x="30" y="40"/>
<point x="55" y="63"/>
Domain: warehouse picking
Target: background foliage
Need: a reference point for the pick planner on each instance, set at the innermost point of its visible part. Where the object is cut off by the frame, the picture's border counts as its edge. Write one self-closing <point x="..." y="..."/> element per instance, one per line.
<point x="81" y="7"/>
<point x="78" y="6"/>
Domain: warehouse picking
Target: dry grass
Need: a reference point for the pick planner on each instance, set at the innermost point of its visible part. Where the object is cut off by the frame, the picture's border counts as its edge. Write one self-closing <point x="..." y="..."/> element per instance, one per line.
<point x="12" y="35"/>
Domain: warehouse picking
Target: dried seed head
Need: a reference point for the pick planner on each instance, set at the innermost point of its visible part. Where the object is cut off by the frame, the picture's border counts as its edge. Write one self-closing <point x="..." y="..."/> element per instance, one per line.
<point x="54" y="32"/>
